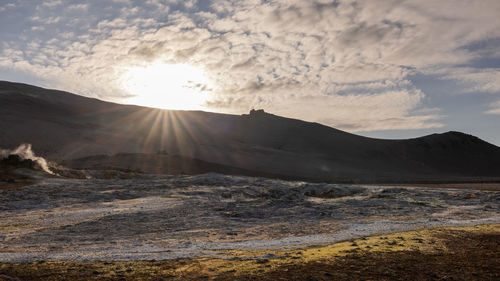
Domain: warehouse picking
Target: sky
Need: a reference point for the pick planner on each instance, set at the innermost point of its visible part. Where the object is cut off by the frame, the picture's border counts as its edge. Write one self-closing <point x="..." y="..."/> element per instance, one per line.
<point x="385" y="68"/>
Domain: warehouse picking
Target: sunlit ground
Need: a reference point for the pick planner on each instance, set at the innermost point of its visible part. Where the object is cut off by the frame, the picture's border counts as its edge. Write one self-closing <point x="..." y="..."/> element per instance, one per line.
<point x="168" y="86"/>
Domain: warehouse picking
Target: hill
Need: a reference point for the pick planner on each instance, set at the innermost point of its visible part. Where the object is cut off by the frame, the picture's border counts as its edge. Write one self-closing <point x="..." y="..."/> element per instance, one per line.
<point x="74" y="130"/>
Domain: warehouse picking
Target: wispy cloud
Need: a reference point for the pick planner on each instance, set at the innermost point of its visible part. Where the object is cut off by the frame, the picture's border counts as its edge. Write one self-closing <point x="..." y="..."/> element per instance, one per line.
<point x="476" y="80"/>
<point x="52" y="3"/>
<point x="494" y="108"/>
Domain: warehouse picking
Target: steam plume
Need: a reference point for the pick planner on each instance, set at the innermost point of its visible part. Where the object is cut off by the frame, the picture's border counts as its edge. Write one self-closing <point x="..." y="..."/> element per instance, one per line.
<point x="24" y="151"/>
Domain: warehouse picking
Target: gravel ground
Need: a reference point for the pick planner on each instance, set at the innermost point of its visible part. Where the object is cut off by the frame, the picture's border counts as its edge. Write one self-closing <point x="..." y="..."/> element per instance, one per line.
<point x="165" y="217"/>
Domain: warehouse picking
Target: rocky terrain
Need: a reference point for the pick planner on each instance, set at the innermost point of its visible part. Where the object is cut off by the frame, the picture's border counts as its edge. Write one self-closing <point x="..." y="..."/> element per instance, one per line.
<point x="165" y="217"/>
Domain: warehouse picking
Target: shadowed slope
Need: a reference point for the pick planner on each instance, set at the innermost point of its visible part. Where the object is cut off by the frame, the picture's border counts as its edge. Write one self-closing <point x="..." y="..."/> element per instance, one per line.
<point x="63" y="126"/>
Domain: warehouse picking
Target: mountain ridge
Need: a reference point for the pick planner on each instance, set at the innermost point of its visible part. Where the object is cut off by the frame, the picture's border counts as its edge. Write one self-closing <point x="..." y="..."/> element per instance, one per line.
<point x="62" y="126"/>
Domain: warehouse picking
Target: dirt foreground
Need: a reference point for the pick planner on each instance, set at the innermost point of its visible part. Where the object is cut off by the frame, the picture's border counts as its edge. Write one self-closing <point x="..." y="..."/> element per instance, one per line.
<point x="455" y="253"/>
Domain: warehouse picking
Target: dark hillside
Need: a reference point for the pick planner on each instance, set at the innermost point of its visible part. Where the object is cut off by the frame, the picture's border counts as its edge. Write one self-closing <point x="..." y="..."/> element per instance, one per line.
<point x="66" y="127"/>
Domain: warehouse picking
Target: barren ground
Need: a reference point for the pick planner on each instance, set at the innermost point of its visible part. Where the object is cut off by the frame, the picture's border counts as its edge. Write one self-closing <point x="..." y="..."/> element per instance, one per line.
<point x="215" y="219"/>
<point x="466" y="253"/>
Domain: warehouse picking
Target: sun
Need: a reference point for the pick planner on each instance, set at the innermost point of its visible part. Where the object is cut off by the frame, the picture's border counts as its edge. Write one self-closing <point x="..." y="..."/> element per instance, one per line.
<point x="167" y="86"/>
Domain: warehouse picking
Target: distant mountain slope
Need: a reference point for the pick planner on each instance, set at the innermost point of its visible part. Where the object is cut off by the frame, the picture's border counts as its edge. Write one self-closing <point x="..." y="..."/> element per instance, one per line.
<point x="63" y="126"/>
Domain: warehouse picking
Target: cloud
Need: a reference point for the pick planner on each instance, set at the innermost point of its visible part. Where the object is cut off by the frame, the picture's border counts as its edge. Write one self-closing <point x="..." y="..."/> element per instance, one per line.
<point x="78" y="7"/>
<point x="387" y="110"/>
<point x="52" y="3"/>
<point x="342" y="63"/>
<point x="495" y="108"/>
<point x="476" y="80"/>
<point x="46" y="20"/>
